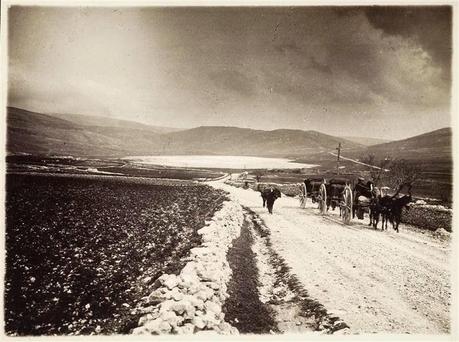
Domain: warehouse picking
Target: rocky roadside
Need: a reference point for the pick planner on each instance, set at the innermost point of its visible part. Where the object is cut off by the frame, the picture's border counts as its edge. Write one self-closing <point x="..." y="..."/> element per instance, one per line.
<point x="192" y="301"/>
<point x="233" y="283"/>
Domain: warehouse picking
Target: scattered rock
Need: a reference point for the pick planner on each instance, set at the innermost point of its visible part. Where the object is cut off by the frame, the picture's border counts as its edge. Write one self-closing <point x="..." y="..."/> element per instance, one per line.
<point x="140" y="331"/>
<point x="198" y="322"/>
<point x="171" y="281"/>
<point x="148" y="317"/>
<point x="344" y="331"/>
<point x="197" y="303"/>
<point x="157" y="326"/>
<point x="204" y="294"/>
<point x="192" y="301"/>
<point x="188" y="280"/>
<point x="146" y="280"/>
<point x="171" y="318"/>
<point x="226" y="328"/>
<point x="212" y="307"/>
<point x="441" y="232"/>
<point x="186" y="329"/>
<point x="154" y="299"/>
<point x="338" y="325"/>
<point x="214" y="286"/>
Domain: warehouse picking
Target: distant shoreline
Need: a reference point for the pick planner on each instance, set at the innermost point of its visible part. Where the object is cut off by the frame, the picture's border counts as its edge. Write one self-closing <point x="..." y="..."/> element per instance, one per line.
<point x="219" y="161"/>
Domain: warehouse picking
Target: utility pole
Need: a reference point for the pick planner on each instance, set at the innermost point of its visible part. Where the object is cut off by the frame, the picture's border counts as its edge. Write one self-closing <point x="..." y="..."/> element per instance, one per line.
<point x="337" y="161"/>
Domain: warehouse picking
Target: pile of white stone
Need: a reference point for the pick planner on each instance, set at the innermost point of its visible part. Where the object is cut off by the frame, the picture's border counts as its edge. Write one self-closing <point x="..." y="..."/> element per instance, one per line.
<point x="192" y="301"/>
<point x="437" y="207"/>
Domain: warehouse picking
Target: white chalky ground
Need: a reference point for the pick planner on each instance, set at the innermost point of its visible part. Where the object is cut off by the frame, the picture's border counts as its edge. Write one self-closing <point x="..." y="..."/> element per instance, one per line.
<point x="375" y="281"/>
<point x="193" y="300"/>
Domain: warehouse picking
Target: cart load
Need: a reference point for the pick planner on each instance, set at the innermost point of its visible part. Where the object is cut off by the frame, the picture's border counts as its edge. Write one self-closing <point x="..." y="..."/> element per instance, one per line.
<point x="312" y="187"/>
<point x="335" y="189"/>
<point x="364" y="194"/>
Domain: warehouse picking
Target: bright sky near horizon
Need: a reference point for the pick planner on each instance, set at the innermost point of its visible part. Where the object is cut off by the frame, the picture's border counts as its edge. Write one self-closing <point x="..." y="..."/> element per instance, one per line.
<point x="382" y="72"/>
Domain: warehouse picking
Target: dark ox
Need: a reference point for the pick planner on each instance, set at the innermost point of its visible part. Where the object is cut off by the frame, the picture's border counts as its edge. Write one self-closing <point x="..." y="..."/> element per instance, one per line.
<point x="390" y="208"/>
<point x="269" y="195"/>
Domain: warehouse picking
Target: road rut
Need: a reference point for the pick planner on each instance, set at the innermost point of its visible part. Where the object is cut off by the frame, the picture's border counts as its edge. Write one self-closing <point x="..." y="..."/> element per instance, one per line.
<point x="376" y="281"/>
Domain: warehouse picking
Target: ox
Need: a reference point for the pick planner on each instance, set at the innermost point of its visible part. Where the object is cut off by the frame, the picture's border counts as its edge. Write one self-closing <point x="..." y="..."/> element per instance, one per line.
<point x="391" y="208"/>
<point x="269" y="195"/>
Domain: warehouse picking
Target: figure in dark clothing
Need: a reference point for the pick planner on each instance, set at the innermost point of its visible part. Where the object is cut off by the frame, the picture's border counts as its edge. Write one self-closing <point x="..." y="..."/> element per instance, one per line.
<point x="271" y="195"/>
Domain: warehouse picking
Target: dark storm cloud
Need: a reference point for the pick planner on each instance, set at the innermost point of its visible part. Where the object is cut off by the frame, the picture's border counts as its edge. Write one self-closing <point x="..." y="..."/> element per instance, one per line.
<point x="431" y="27"/>
<point x="300" y="67"/>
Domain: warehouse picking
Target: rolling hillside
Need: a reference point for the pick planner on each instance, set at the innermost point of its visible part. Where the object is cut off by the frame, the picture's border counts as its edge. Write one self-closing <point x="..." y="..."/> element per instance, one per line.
<point x="52" y="134"/>
<point x="366" y="141"/>
<point x="82" y="136"/>
<point x="102" y="121"/>
<point x="244" y="141"/>
<point x="433" y="145"/>
<point x="45" y="134"/>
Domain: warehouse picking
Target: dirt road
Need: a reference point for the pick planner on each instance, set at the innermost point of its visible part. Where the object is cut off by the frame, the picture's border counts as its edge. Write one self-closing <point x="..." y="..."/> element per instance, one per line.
<point x="375" y="281"/>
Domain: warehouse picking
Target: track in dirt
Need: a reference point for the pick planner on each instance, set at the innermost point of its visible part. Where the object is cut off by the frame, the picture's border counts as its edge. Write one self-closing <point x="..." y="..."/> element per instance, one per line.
<point x="375" y="281"/>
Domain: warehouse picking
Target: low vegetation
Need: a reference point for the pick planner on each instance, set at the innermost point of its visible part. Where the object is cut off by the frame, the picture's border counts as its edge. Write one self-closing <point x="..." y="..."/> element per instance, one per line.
<point x="431" y="217"/>
<point x="163" y="172"/>
<point x="116" y="167"/>
<point x="433" y="177"/>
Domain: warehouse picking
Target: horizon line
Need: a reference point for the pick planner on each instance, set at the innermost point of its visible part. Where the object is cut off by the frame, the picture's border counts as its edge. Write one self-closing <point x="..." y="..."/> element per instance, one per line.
<point x="248" y="128"/>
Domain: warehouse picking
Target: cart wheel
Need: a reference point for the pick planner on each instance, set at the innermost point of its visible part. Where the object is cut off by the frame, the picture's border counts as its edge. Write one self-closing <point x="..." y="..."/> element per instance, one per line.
<point x="322" y="199"/>
<point x="303" y="196"/>
<point x="346" y="208"/>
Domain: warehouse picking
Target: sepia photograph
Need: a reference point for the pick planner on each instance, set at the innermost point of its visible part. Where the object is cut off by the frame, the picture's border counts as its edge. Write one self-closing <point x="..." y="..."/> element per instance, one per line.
<point x="210" y="169"/>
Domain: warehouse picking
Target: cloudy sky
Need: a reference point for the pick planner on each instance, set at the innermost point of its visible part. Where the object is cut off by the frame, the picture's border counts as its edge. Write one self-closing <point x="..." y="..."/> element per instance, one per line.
<point x="377" y="72"/>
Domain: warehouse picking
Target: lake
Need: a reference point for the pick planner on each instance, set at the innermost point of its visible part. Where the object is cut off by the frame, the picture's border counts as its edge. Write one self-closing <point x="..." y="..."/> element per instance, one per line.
<point x="221" y="162"/>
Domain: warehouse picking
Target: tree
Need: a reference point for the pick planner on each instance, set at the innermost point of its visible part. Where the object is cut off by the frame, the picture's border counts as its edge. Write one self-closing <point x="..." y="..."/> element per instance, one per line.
<point x="377" y="168"/>
<point x="390" y="171"/>
<point x="400" y="172"/>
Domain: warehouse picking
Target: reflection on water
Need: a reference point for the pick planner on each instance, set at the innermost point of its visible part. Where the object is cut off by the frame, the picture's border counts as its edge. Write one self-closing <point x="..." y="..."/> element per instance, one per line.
<point x="229" y="162"/>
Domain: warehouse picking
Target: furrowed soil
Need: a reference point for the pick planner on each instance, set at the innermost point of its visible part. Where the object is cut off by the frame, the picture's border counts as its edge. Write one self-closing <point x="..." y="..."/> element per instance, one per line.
<point x="79" y="247"/>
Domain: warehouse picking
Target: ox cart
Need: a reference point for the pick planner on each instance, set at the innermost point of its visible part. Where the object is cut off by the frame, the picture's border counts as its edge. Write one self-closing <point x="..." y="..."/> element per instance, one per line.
<point x="334" y="193"/>
<point x="314" y="188"/>
<point x="349" y="193"/>
<point x="365" y="194"/>
<point x="340" y="195"/>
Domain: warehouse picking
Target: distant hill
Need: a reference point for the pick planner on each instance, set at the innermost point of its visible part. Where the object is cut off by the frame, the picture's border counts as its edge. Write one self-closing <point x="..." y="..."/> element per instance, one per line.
<point x="101" y="121"/>
<point x="37" y="133"/>
<point x="367" y="141"/>
<point x="245" y="141"/>
<point x="433" y="145"/>
<point x="52" y="134"/>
